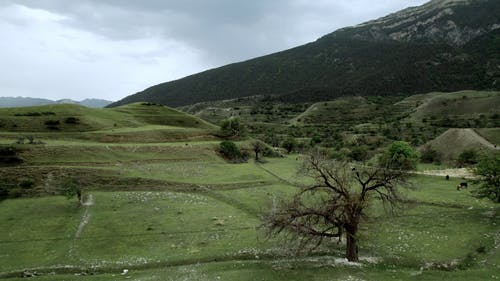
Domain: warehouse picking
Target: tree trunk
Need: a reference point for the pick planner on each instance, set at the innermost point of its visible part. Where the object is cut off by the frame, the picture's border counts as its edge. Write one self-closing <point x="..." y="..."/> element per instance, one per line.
<point x="79" y="196"/>
<point x="351" y="251"/>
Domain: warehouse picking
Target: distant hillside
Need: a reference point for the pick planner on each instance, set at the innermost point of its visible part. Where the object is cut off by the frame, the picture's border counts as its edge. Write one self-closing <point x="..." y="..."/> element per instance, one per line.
<point x="444" y="45"/>
<point x="137" y="122"/>
<point x="454" y="141"/>
<point x="22" y="101"/>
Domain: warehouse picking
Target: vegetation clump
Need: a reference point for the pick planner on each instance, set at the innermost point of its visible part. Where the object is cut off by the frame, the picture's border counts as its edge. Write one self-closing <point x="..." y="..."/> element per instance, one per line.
<point x="10" y="156"/>
<point x="467" y="157"/>
<point x="400" y="155"/>
<point x="231" y="152"/>
<point x="430" y="155"/>
<point x="233" y="129"/>
<point x="71" y="187"/>
<point x="488" y="172"/>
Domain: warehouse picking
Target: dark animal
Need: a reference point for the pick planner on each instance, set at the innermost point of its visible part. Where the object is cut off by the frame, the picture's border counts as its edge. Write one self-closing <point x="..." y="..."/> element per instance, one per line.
<point x="447" y="177"/>
<point x="461" y="185"/>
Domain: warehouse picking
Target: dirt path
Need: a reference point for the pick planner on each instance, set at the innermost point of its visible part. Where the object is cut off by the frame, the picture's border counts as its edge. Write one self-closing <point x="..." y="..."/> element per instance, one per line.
<point x="83" y="222"/>
<point x="283" y="180"/>
<point x="86" y="215"/>
<point x="453" y="173"/>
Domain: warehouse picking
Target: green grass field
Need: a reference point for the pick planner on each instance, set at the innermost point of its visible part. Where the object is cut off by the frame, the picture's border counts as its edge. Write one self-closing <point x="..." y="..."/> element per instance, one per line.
<point x="173" y="209"/>
<point x="211" y="233"/>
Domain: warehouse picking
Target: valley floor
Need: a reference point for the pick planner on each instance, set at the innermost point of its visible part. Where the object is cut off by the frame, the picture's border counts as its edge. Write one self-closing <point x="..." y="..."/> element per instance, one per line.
<point x="177" y="211"/>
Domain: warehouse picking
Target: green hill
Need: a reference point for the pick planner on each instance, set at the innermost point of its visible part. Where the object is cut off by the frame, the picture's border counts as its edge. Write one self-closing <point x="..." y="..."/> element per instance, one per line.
<point x="441" y="46"/>
<point x="133" y="122"/>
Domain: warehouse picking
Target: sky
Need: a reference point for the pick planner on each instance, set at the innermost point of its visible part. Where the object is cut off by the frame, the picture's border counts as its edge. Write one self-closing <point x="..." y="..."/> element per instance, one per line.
<point x="110" y="49"/>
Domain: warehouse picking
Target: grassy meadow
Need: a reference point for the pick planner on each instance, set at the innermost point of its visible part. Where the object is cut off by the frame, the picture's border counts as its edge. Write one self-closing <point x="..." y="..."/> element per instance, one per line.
<point x="170" y="208"/>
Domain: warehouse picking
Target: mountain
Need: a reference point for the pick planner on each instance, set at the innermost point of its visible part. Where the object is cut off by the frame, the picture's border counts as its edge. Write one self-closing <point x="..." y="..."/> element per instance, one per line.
<point x="22" y="102"/>
<point x="444" y="45"/>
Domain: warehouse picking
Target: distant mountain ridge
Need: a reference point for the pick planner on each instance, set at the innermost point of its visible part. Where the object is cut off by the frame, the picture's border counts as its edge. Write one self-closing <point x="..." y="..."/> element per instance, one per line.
<point x="443" y="45"/>
<point x="23" y="101"/>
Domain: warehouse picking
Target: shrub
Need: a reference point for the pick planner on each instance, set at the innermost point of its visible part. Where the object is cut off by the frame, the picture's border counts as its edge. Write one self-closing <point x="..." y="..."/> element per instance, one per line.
<point x="359" y="153"/>
<point x="488" y="172"/>
<point x="467" y="157"/>
<point x="26" y="183"/>
<point x="430" y="155"/>
<point x="230" y="151"/>
<point x="71" y="120"/>
<point x="52" y="122"/>
<point x="10" y="156"/>
<point x="290" y="144"/>
<point x="233" y="128"/>
<point x="400" y="155"/>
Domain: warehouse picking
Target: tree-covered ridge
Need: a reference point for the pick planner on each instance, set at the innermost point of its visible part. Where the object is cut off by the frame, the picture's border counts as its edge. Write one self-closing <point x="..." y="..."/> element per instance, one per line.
<point x="345" y="63"/>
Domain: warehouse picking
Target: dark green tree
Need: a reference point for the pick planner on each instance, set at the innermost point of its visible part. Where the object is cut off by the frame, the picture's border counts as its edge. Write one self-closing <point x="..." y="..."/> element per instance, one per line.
<point x="488" y="173"/>
<point x="290" y="144"/>
<point x="430" y="155"/>
<point x="467" y="157"/>
<point x="233" y="128"/>
<point x="71" y="187"/>
<point x="400" y="155"/>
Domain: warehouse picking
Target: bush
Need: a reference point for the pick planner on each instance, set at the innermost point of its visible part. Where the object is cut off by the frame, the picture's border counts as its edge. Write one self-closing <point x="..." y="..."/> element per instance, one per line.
<point x="488" y="172"/>
<point x="233" y="128"/>
<point x="71" y="120"/>
<point x="52" y="122"/>
<point x="359" y="153"/>
<point x="400" y="155"/>
<point x="290" y="144"/>
<point x="467" y="157"/>
<point x="26" y="184"/>
<point x="230" y="151"/>
<point x="430" y="155"/>
<point x="10" y="156"/>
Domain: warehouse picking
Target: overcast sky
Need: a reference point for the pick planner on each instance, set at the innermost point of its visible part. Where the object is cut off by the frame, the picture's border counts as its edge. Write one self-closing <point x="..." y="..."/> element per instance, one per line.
<point x="113" y="48"/>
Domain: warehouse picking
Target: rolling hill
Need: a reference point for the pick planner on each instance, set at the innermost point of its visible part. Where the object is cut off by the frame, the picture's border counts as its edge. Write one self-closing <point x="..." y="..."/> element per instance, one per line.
<point x="444" y="45"/>
<point x="139" y="122"/>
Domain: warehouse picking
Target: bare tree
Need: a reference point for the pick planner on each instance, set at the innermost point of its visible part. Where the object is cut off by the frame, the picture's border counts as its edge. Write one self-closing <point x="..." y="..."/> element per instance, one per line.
<point x="335" y="204"/>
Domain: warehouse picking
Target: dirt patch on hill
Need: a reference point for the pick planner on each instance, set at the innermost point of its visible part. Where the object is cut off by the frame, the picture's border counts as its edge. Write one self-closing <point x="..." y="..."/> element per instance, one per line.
<point x="454" y="141"/>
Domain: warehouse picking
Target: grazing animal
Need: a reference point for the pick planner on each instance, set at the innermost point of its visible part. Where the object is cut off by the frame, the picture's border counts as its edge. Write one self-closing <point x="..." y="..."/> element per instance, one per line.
<point x="447" y="177"/>
<point x="461" y="185"/>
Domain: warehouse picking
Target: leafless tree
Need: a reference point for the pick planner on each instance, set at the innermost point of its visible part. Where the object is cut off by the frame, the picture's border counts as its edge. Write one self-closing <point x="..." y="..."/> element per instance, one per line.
<point x="335" y="205"/>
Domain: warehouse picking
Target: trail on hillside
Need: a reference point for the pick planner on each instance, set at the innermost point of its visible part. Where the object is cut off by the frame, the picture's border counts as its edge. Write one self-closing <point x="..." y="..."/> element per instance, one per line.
<point x="281" y="179"/>
<point x="83" y="222"/>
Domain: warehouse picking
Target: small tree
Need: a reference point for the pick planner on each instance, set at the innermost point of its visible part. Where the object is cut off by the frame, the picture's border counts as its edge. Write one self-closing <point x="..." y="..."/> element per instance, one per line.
<point x="467" y="157"/>
<point x="430" y="155"/>
<point x="400" y="155"/>
<point x="488" y="172"/>
<point x="258" y="147"/>
<point x="233" y="128"/>
<point x="335" y="204"/>
<point x="290" y="144"/>
<point x="230" y="151"/>
<point x="71" y="187"/>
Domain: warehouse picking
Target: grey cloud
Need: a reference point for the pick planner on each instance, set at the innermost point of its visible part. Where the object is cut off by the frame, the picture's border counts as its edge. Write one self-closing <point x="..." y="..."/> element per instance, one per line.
<point x="112" y="48"/>
<point x="224" y="30"/>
